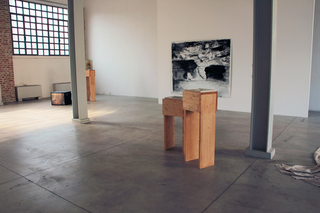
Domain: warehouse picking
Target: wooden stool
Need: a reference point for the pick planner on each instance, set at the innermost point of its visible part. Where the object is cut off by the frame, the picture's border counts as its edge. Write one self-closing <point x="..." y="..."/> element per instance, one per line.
<point x="200" y="107"/>
<point x="171" y="107"/>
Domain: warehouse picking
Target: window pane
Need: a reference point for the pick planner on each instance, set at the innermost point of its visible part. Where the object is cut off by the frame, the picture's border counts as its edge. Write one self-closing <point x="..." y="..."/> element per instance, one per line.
<point x="54" y="9"/>
<point x="15" y="44"/>
<point x="14" y="31"/>
<point x="44" y="7"/>
<point x="39" y="26"/>
<point x="40" y="52"/>
<point x="60" y="16"/>
<point x="44" y="20"/>
<point x="55" y="28"/>
<point x="65" y="11"/>
<point x="45" y="39"/>
<point x="14" y="17"/>
<point x="15" y="38"/>
<point x="49" y="15"/>
<point x="39" y="39"/>
<point x="50" y="33"/>
<point x="38" y="13"/>
<point x="56" y="34"/>
<point x="38" y="6"/>
<point x="55" y="15"/>
<point x="12" y="10"/>
<point x="19" y="3"/>
<point x="45" y="33"/>
<point x="46" y="52"/>
<point x="62" y="52"/>
<point x="39" y="32"/>
<point x="33" y="32"/>
<point x="56" y="52"/>
<point x="28" y="45"/>
<point x="67" y="52"/>
<point x="31" y="5"/>
<point x="55" y="22"/>
<point x="34" y="39"/>
<point x="61" y="46"/>
<point x="34" y="52"/>
<point x="29" y="52"/>
<point x="40" y="46"/>
<point x="21" y="44"/>
<point x="56" y="46"/>
<point x="28" y="38"/>
<point x="12" y="2"/>
<point x="20" y="24"/>
<point x="27" y="18"/>
<point x="45" y="46"/>
<point x="50" y="27"/>
<point x="28" y="32"/>
<point x="39" y="20"/>
<point x="21" y="31"/>
<point x="32" y="12"/>
<point x="33" y="26"/>
<point x="65" y="17"/>
<point x="19" y="10"/>
<point x="66" y="47"/>
<point x="49" y="8"/>
<point x="27" y="25"/>
<point x="25" y="4"/>
<point x="34" y="45"/>
<point x="32" y="19"/>
<point x="16" y="51"/>
<point x="22" y="51"/>
<point x="26" y="11"/>
<point x="44" y="14"/>
<point x="21" y="38"/>
<point x="65" y="23"/>
<point x="13" y="23"/>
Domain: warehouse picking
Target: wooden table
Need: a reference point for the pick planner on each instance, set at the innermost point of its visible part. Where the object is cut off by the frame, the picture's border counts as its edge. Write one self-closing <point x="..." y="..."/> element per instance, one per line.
<point x="198" y="109"/>
<point x="91" y="85"/>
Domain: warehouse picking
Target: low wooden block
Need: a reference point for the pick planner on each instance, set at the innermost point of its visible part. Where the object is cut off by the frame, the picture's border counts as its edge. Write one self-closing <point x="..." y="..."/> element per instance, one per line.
<point x="61" y="98"/>
<point x="172" y="106"/>
<point x="191" y="135"/>
<point x="168" y="132"/>
<point x="207" y="130"/>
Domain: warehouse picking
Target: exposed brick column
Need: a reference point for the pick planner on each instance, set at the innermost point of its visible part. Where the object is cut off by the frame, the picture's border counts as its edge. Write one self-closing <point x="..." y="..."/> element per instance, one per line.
<point x="6" y="61"/>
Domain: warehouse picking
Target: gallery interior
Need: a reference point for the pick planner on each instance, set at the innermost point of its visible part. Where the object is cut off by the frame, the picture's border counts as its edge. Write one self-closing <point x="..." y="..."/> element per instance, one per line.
<point x="107" y="154"/>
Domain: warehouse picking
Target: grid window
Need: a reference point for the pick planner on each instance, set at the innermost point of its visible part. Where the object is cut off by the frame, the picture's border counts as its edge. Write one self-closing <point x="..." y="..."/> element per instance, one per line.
<point x="38" y="29"/>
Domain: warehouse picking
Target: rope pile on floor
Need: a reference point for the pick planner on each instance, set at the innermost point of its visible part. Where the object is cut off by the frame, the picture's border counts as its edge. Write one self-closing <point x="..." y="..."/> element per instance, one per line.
<point x="309" y="174"/>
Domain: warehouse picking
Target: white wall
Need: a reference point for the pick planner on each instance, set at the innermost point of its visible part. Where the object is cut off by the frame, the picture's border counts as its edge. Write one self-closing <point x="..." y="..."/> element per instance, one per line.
<point x="189" y="20"/>
<point x="43" y="70"/>
<point x="293" y="57"/>
<point x="315" y="73"/>
<point x="121" y="41"/>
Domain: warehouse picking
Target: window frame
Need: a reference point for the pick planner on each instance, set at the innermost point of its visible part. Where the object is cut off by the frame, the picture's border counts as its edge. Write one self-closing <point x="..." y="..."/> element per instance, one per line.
<point x="38" y="29"/>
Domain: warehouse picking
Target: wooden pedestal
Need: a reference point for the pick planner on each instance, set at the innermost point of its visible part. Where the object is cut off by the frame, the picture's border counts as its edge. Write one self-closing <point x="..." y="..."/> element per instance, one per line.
<point x="200" y="107"/>
<point x="91" y="85"/>
<point x="171" y="107"/>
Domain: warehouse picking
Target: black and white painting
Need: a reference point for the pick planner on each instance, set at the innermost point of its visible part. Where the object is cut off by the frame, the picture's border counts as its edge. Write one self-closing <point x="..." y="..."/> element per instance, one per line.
<point x="202" y="64"/>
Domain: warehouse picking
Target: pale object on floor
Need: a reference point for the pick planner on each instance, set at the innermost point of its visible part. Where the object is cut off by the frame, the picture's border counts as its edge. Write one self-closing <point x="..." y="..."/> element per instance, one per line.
<point x="310" y="174"/>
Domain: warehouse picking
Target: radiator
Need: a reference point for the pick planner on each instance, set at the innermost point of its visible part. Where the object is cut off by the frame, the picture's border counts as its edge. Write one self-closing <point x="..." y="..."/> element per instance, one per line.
<point x="64" y="86"/>
<point x="28" y="92"/>
<point x="0" y="96"/>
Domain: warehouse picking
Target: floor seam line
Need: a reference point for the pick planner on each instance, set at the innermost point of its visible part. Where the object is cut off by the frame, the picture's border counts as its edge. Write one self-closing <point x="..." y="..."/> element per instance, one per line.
<point x="21" y="176"/>
<point x="283" y="130"/>
<point x="229" y="186"/>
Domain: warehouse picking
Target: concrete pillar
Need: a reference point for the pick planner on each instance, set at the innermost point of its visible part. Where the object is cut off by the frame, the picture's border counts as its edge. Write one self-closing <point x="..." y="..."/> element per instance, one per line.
<point x="77" y="61"/>
<point x="263" y="66"/>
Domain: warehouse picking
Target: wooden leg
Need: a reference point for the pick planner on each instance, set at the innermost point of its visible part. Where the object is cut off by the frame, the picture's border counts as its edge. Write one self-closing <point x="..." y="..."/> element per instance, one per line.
<point x="168" y="132"/>
<point x="183" y="136"/>
<point x="191" y="133"/>
<point x="92" y="86"/>
<point x="88" y="88"/>
<point x="207" y="132"/>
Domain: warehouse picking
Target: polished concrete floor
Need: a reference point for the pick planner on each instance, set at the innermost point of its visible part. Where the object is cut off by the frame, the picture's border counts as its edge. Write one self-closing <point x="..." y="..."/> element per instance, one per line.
<point x="117" y="163"/>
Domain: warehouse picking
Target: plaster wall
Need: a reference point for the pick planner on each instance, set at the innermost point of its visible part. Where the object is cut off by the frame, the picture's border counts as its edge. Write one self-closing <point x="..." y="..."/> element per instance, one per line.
<point x="315" y="73"/>
<point x="121" y="40"/>
<point x="41" y="70"/>
<point x="187" y="20"/>
<point x="293" y="57"/>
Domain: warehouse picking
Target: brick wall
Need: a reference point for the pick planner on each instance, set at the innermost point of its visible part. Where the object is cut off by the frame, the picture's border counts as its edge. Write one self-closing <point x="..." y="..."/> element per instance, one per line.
<point x="6" y="63"/>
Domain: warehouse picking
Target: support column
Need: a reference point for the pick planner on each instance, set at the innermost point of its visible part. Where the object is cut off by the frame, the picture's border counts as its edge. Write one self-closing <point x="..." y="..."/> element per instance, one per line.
<point x="77" y="61"/>
<point x="263" y="64"/>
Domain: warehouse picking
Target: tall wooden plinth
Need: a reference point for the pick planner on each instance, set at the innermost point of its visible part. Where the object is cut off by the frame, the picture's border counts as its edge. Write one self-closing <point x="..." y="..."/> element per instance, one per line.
<point x="91" y="85"/>
<point x="200" y="107"/>
<point x="171" y="107"/>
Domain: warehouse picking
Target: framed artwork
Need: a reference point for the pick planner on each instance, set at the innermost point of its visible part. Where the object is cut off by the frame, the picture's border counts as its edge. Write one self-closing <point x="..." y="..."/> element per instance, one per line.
<point x="88" y="64"/>
<point x="202" y="64"/>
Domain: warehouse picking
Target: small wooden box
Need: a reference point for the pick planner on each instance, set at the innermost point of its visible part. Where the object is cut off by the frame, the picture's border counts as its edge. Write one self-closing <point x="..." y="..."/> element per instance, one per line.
<point x="61" y="98"/>
<point x="172" y="106"/>
<point x="192" y="99"/>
